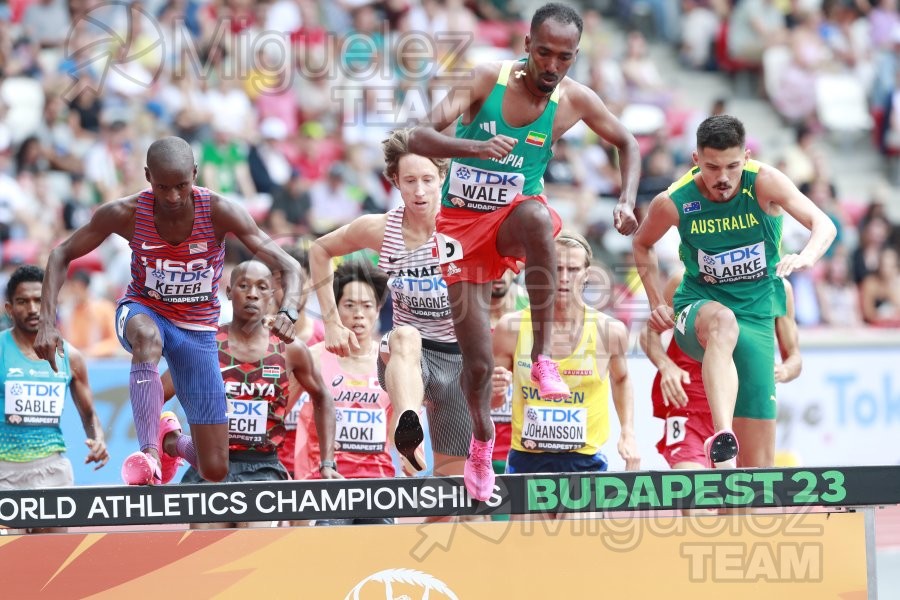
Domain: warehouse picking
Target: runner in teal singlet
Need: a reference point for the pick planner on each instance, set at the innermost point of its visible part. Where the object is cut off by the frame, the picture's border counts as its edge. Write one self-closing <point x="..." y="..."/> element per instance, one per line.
<point x="32" y="447"/>
<point x="493" y="216"/>
<point x="728" y="210"/>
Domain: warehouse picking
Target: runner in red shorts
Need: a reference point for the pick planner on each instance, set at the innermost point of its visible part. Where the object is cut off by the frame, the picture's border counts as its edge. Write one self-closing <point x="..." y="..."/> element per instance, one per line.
<point x="678" y="394"/>
<point x="493" y="214"/>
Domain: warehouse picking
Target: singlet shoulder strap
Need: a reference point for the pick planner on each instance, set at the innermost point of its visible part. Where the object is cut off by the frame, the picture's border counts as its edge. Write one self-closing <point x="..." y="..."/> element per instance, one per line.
<point x="505" y="70"/>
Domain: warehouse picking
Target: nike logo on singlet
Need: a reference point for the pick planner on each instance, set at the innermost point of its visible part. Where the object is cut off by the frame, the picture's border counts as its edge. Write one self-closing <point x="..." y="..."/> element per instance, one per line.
<point x="146" y="246"/>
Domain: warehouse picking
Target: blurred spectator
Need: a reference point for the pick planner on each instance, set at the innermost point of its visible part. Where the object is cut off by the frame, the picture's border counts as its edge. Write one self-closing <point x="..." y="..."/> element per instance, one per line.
<point x="371" y="120"/>
<point x="804" y="160"/>
<point x="368" y="178"/>
<point x="601" y="177"/>
<point x="365" y="44"/>
<point x="606" y="78"/>
<point x="136" y="65"/>
<point x="564" y="182"/>
<point x="224" y="165"/>
<point x="289" y="213"/>
<point x="44" y="203"/>
<point x="284" y="16"/>
<point x="807" y="311"/>
<point x="880" y="291"/>
<point x="312" y="152"/>
<point x="273" y="95"/>
<point x="174" y="23"/>
<point x="459" y="17"/>
<point x="884" y="22"/>
<point x="269" y="168"/>
<point x="13" y="201"/>
<point x="658" y="172"/>
<point x="334" y="202"/>
<point x="57" y="141"/>
<point x="873" y="236"/>
<point x="230" y="108"/>
<point x="427" y="16"/>
<point x="47" y="22"/>
<point x="86" y="107"/>
<point x="753" y="26"/>
<point x="838" y="296"/>
<point x="596" y="39"/>
<point x="106" y="163"/>
<point x="892" y="131"/>
<point x="795" y="97"/>
<point x="564" y="173"/>
<point x="497" y="10"/>
<point x="185" y="106"/>
<point x="699" y="27"/>
<point x="847" y="35"/>
<point x="86" y="321"/>
<point x="645" y="82"/>
<point x="824" y="195"/>
<point x="30" y="157"/>
<point x="687" y="143"/>
<point x="18" y="55"/>
<point x="76" y="205"/>
<point x="315" y="94"/>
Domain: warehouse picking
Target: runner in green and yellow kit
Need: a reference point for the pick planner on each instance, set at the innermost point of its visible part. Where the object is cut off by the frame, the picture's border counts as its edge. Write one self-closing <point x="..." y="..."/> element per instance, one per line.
<point x="728" y="210"/>
<point x="493" y="216"/>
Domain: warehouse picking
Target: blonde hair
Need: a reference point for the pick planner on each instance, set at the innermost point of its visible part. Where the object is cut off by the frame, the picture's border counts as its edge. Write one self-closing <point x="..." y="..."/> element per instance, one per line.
<point x="396" y="146"/>
<point x="570" y="239"/>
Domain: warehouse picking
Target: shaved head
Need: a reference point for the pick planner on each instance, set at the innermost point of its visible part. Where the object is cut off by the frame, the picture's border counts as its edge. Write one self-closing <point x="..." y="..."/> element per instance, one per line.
<point x="253" y="269"/>
<point x="170" y="154"/>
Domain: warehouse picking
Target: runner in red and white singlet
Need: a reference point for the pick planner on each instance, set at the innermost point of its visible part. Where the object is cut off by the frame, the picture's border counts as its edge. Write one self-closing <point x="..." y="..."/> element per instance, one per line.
<point x="176" y="232"/>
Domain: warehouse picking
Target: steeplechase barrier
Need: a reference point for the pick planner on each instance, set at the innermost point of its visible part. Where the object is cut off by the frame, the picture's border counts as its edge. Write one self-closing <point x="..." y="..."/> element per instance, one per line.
<point x="625" y="535"/>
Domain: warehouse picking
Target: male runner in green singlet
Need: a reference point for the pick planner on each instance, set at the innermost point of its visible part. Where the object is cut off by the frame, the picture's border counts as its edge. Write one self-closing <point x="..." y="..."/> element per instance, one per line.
<point x="728" y="210"/>
<point x="493" y="214"/>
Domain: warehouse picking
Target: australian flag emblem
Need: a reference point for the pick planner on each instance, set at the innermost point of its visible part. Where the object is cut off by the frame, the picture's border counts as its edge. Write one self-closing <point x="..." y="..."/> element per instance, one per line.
<point x="689" y="207"/>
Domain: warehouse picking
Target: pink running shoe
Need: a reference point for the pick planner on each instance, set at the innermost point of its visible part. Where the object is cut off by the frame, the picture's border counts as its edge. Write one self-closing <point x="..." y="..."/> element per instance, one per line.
<point x="545" y="374"/>
<point x="721" y="447"/>
<point x="478" y="474"/>
<point x="140" y="469"/>
<point x="168" y="464"/>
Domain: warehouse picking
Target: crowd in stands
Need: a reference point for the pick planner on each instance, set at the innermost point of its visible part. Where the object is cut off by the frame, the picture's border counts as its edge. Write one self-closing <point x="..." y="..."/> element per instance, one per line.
<point x="286" y="103"/>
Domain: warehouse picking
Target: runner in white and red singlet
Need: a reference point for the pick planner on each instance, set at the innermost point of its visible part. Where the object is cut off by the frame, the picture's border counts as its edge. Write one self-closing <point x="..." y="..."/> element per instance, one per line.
<point x="419" y="359"/>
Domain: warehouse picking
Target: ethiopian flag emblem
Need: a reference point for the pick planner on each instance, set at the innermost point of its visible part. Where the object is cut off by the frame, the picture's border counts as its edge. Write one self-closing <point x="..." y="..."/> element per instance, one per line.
<point x="536" y="139"/>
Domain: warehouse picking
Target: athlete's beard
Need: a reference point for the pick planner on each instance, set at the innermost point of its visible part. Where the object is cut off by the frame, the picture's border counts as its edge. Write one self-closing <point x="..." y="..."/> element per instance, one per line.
<point x="546" y="88"/>
<point x="497" y="293"/>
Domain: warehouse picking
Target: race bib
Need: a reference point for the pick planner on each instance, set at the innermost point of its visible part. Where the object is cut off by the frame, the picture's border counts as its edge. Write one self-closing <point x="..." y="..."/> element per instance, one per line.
<point x="503" y="414"/>
<point x="553" y="429"/>
<point x="746" y="263"/>
<point x="362" y="430"/>
<point x="482" y="190"/>
<point x="422" y="294"/>
<point x="34" y="402"/>
<point x="179" y="287"/>
<point x="448" y="249"/>
<point x="247" y="421"/>
<point x="675" y="430"/>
